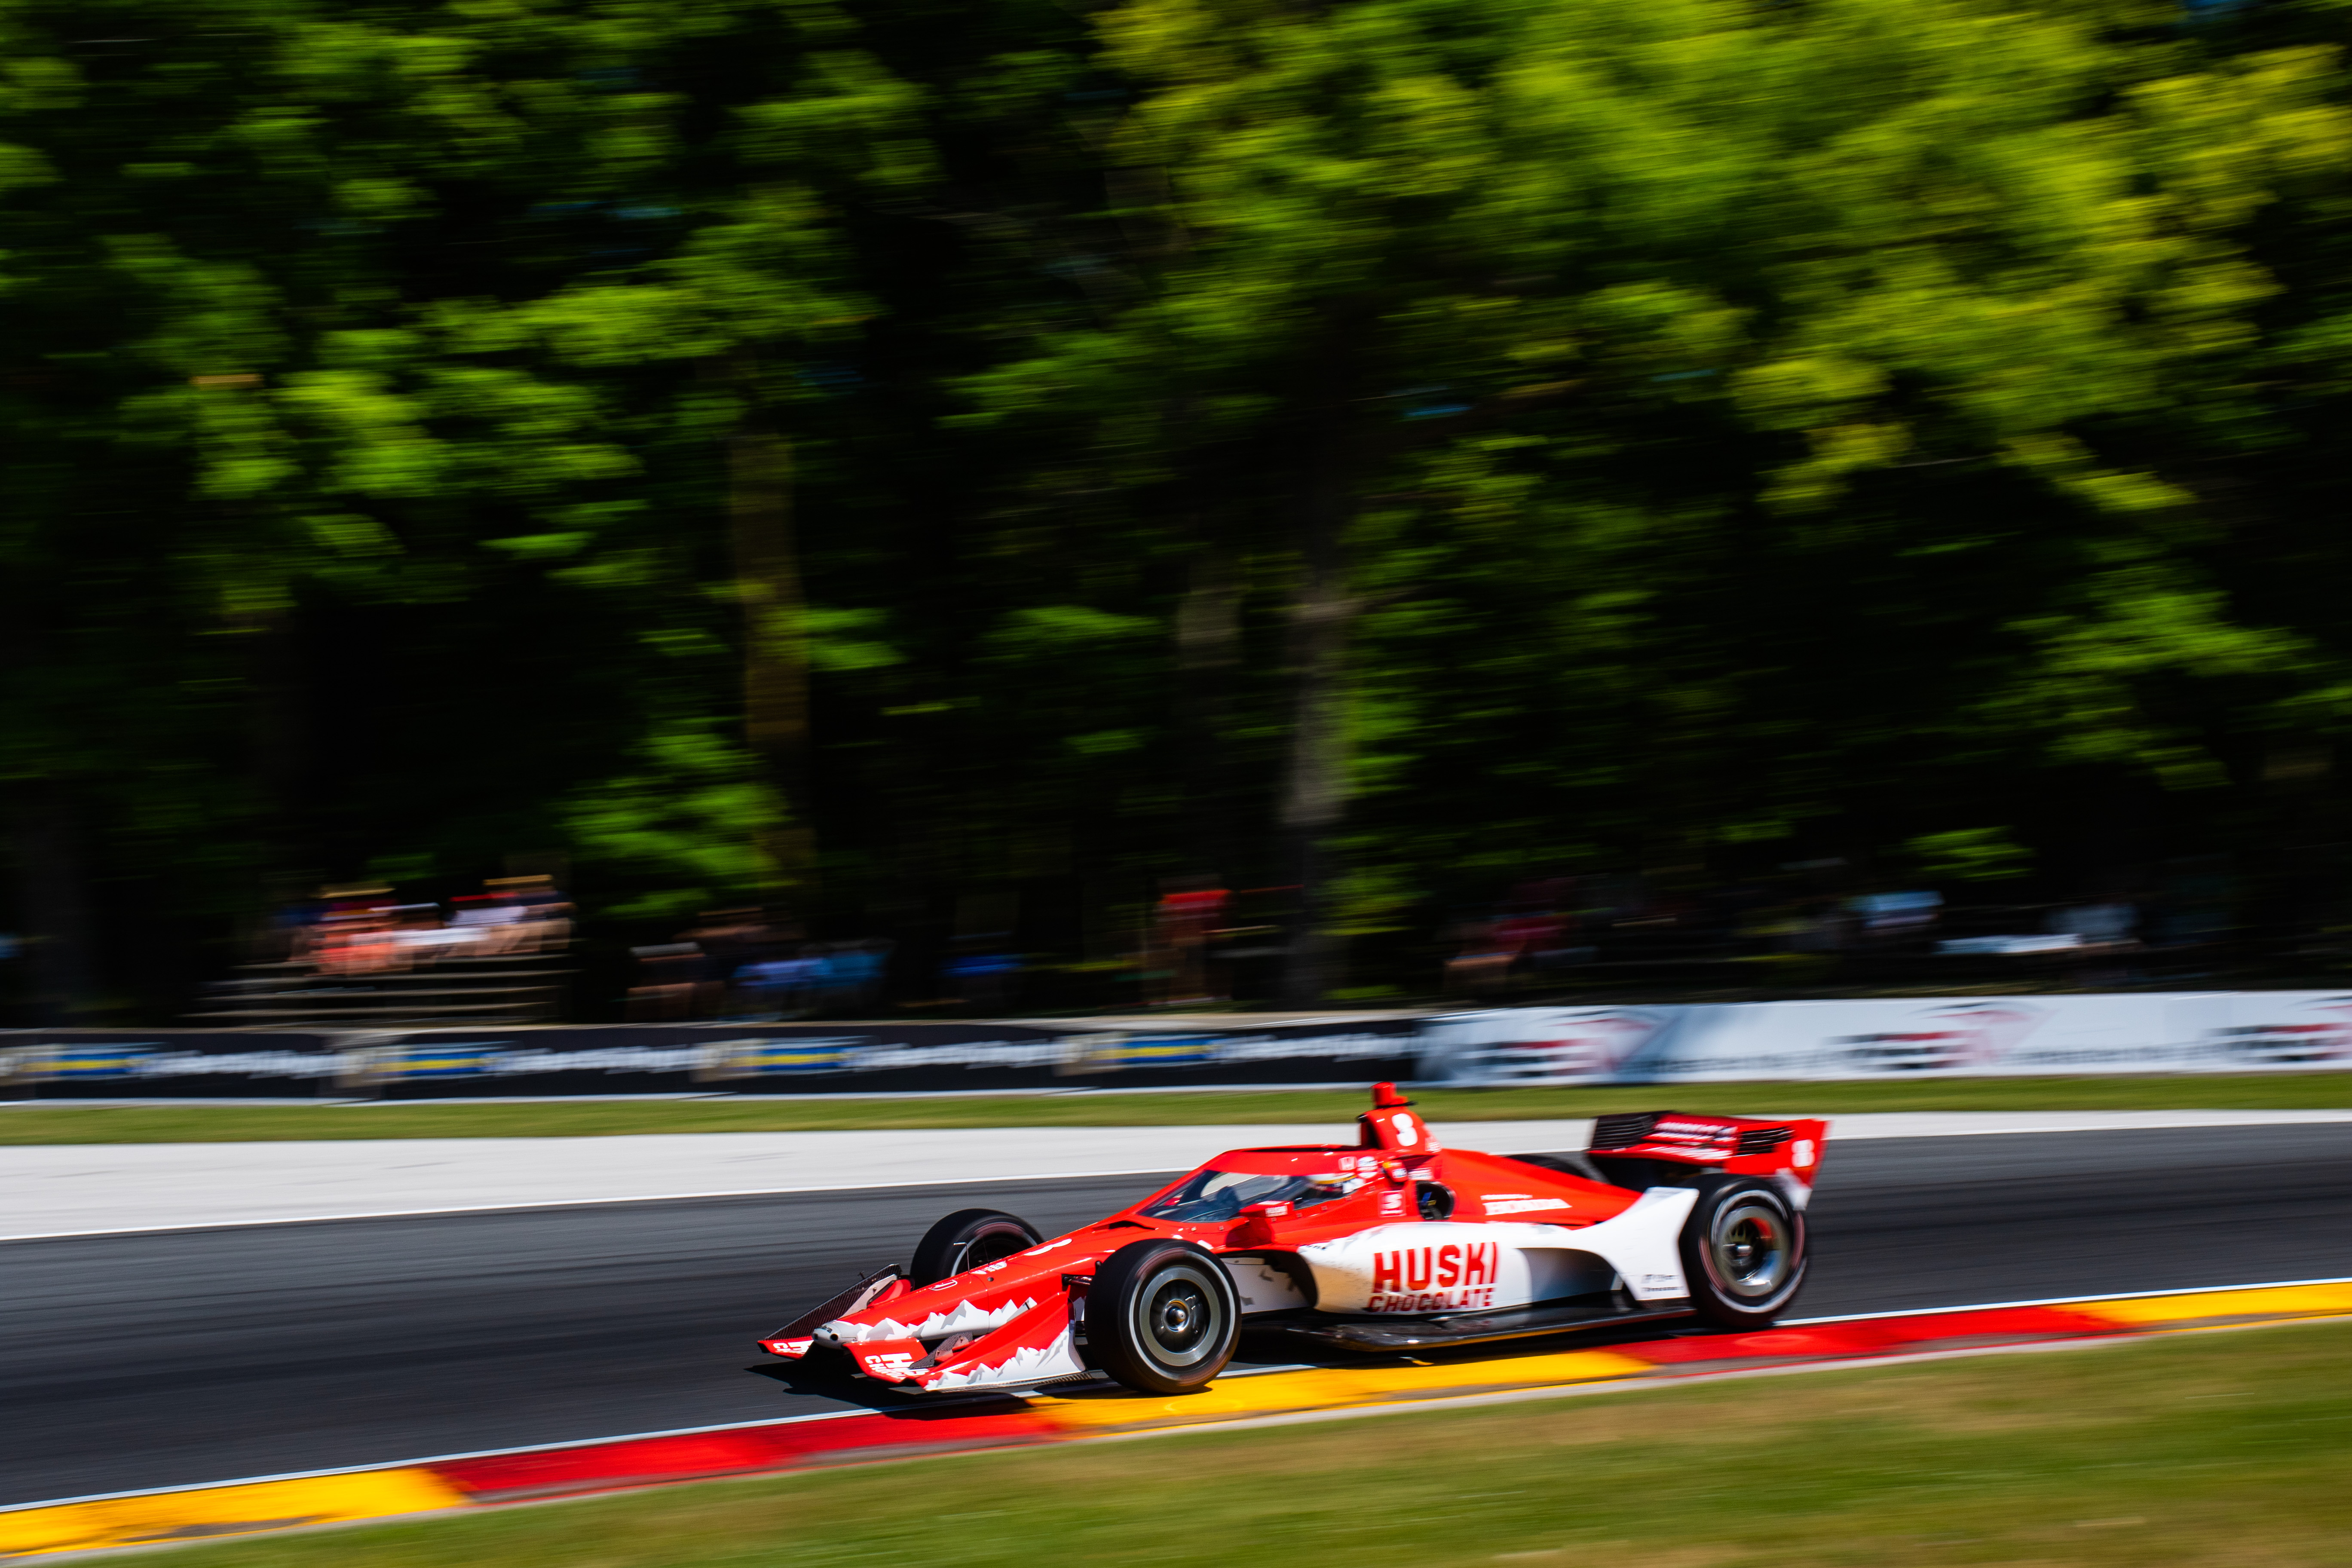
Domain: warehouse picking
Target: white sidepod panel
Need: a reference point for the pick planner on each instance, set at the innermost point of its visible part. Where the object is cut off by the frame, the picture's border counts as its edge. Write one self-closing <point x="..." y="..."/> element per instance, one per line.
<point x="1643" y="1242"/>
<point x="1443" y="1267"/>
<point x="1262" y="1288"/>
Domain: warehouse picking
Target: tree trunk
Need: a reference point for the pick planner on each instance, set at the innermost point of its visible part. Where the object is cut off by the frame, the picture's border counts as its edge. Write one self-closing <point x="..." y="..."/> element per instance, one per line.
<point x="278" y="732"/>
<point x="775" y="647"/>
<point x="1315" y="791"/>
<point x="1208" y="651"/>
<point x="53" y="903"/>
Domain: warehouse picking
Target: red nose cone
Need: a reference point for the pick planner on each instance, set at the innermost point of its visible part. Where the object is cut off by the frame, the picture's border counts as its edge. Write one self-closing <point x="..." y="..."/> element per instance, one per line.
<point x="1385" y="1097"/>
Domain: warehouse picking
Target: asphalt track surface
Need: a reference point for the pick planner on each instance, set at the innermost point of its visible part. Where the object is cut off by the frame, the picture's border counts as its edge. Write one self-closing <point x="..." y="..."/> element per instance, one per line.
<point x="169" y="1359"/>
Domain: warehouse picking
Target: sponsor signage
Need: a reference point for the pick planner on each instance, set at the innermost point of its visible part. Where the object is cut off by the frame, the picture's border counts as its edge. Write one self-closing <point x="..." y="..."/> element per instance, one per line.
<point x="2005" y="1036"/>
<point x="686" y="1058"/>
<point x="1446" y="1279"/>
<point x="759" y="1057"/>
<point x="1955" y="1036"/>
<point x="434" y="1061"/>
<point x="56" y="1064"/>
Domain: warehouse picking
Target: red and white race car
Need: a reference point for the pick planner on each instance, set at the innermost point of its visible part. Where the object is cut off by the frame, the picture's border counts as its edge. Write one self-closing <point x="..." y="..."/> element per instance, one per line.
<point x="1391" y="1244"/>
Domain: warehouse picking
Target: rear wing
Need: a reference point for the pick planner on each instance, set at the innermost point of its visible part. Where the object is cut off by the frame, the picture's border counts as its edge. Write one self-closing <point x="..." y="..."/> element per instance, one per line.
<point x="1657" y="1148"/>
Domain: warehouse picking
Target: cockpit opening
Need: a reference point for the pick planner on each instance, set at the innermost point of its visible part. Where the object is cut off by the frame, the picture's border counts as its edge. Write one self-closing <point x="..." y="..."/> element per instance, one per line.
<point x="1209" y="1195"/>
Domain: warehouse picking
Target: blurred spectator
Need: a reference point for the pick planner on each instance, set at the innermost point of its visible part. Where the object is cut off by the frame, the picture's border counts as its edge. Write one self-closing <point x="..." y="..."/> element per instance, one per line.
<point x="1539" y="930"/>
<point x="983" y="978"/>
<point x="669" y="985"/>
<point x="769" y="989"/>
<point x="542" y="915"/>
<point x="826" y="990"/>
<point x="1531" y="939"/>
<point x="2110" y="923"/>
<point x="1483" y="963"/>
<point x="492" y="923"/>
<point x="1184" y="919"/>
<point x="290" y="927"/>
<point x="859" y="970"/>
<point x="1887" y="919"/>
<point x="352" y="934"/>
<point x="417" y="935"/>
<point x="733" y="938"/>
<point x="766" y="979"/>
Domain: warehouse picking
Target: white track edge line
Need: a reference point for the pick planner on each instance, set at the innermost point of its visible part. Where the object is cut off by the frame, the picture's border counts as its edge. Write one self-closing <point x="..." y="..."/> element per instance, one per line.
<point x="1654" y="1383"/>
<point x="576" y="1204"/>
<point x="432" y="1459"/>
<point x="2330" y="1119"/>
<point x="2058" y="1302"/>
<point x="1253" y="1371"/>
<point x="1505" y="1396"/>
<point x="559" y="1447"/>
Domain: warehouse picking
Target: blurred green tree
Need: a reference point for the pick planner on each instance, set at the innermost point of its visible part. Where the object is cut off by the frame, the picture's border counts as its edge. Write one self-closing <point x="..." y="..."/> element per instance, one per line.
<point x="874" y="459"/>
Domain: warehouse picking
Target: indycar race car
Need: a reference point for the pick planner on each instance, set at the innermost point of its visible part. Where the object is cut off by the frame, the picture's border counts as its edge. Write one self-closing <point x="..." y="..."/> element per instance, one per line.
<point x="1393" y="1244"/>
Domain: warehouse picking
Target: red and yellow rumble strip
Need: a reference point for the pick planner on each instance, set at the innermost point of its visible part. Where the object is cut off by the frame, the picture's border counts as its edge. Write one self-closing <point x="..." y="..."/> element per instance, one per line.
<point x="811" y="1442"/>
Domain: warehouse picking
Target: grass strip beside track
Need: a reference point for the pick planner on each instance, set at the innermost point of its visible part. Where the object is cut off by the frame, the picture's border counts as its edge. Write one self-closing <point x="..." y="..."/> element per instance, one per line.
<point x="62" y="1121"/>
<point x="2197" y="1449"/>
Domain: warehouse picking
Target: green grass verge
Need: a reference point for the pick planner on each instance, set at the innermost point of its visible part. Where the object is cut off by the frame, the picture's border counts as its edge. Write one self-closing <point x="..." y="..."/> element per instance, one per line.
<point x="2199" y="1451"/>
<point x="64" y="1122"/>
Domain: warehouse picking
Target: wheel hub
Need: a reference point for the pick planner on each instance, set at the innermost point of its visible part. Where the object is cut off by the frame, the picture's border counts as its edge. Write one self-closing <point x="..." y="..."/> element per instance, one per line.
<point x="1178" y="1320"/>
<point x="1177" y="1317"/>
<point x="1751" y="1250"/>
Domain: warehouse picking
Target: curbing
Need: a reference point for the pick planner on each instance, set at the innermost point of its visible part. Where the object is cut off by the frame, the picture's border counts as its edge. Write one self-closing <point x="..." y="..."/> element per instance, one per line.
<point x="1093" y="1413"/>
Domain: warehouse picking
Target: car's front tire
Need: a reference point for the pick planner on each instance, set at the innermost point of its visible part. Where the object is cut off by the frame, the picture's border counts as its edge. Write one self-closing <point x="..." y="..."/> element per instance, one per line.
<point x="966" y="1240"/>
<point x="1162" y="1316"/>
<point x="1743" y="1250"/>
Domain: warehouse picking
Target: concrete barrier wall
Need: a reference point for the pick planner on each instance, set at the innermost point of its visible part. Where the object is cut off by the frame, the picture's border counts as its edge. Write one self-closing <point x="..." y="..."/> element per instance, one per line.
<point x="654" y="1058"/>
<point x="2218" y="1031"/>
<point x="1987" y="1037"/>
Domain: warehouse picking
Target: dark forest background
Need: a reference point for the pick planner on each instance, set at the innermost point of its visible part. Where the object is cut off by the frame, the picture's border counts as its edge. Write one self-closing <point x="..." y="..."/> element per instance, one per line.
<point x="946" y="469"/>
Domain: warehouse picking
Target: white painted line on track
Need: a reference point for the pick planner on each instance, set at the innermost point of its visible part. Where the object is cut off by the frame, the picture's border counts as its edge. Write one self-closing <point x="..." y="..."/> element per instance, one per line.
<point x="1502" y="1396"/>
<point x="444" y="1458"/>
<point x="578" y="1204"/>
<point x="61" y="1192"/>
<point x="2059" y="1302"/>
<point x="1653" y="1384"/>
<point x="764" y="1422"/>
<point x="1292" y="1418"/>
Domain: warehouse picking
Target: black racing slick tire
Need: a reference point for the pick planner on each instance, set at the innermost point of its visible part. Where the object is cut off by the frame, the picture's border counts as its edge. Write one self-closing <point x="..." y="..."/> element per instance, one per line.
<point x="1162" y="1316"/>
<point x="966" y="1240"/>
<point x="1743" y="1250"/>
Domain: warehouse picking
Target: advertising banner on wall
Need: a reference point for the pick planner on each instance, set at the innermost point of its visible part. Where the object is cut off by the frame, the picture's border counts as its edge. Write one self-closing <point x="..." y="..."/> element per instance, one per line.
<point x="1989" y="1037"/>
<point x="722" y="1059"/>
<point x="192" y="1064"/>
<point x="1993" y="1037"/>
<point x="870" y="1058"/>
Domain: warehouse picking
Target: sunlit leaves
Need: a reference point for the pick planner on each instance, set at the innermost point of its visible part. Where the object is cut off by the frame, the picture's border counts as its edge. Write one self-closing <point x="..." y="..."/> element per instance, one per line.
<point x="677" y="823"/>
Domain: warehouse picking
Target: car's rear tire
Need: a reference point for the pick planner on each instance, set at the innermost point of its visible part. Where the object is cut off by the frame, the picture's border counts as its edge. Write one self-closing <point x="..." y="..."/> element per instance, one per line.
<point x="966" y="1240"/>
<point x="1743" y="1250"/>
<point x="1162" y="1316"/>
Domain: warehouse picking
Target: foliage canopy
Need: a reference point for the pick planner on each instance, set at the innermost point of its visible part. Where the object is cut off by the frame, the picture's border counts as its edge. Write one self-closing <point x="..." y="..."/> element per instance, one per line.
<point x="866" y="459"/>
